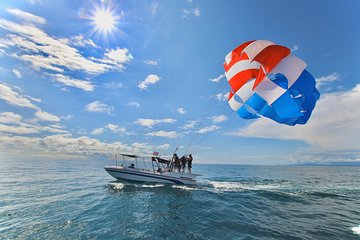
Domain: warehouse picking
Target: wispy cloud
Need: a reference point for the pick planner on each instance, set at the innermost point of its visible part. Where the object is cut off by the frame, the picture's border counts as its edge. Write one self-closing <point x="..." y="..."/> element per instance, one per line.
<point x="328" y="79"/>
<point x="30" y="43"/>
<point x="133" y="104"/>
<point x="67" y="117"/>
<point x="114" y="128"/>
<point x="211" y="128"/>
<point x="113" y="85"/>
<point x="100" y="107"/>
<point x="191" y="12"/>
<point x="295" y="48"/>
<point x="151" y="62"/>
<point x="146" y="122"/>
<point x="72" y="82"/>
<point x="218" y="118"/>
<point x="181" y="110"/>
<point x="164" y="134"/>
<point x="28" y="17"/>
<point x="17" y="73"/>
<point x="45" y="116"/>
<point x="79" y="41"/>
<point x="14" y="98"/>
<point x="12" y="123"/>
<point x="35" y="1"/>
<point x="189" y="125"/>
<point x="97" y="131"/>
<point x="222" y="96"/>
<point x="150" y="79"/>
<point x="154" y="7"/>
<point x="217" y="79"/>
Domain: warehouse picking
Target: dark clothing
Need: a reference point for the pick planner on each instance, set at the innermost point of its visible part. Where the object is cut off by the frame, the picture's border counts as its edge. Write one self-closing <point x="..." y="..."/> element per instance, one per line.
<point x="183" y="161"/>
<point x="190" y="159"/>
<point x="176" y="161"/>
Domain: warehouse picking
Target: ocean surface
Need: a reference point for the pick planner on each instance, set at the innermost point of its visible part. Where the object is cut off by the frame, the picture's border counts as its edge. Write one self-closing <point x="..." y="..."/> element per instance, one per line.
<point x="77" y="199"/>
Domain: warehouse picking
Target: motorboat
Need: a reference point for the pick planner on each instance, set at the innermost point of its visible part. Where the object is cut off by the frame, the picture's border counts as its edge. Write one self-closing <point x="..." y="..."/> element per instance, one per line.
<point x="152" y="169"/>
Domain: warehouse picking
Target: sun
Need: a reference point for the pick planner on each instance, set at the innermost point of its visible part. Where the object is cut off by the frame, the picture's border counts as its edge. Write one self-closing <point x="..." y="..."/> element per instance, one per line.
<point x="104" y="20"/>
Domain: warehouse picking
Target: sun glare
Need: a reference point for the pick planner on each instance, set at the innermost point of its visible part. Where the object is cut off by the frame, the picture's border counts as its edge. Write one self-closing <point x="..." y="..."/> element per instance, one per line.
<point x="104" y="20"/>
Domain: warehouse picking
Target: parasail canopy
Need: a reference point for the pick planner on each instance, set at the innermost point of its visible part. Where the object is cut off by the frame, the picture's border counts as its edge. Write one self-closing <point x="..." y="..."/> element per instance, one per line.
<point x="267" y="80"/>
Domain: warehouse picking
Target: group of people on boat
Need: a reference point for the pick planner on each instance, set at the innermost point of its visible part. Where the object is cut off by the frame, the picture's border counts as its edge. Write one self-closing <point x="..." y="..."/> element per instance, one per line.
<point x="180" y="163"/>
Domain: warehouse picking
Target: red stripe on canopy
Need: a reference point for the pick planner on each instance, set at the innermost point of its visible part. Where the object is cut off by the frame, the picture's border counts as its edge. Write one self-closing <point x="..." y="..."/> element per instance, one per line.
<point x="236" y="55"/>
<point x="237" y="81"/>
<point x="271" y="56"/>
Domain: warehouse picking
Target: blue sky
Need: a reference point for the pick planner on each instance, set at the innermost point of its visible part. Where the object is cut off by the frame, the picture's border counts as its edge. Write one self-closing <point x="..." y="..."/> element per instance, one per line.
<point x="153" y="82"/>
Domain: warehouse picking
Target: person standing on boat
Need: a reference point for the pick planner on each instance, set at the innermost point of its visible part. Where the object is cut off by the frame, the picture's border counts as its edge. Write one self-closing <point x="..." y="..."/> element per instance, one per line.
<point x="177" y="162"/>
<point x="183" y="163"/>
<point x="189" y="160"/>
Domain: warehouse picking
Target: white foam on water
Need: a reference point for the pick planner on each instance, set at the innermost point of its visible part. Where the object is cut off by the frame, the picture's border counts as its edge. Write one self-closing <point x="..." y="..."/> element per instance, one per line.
<point x="152" y="186"/>
<point x="238" y="186"/>
<point x="117" y="186"/>
<point x="188" y="188"/>
<point x="356" y="230"/>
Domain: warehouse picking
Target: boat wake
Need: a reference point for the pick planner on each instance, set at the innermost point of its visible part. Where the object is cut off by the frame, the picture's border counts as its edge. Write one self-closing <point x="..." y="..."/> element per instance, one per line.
<point x="356" y="230"/>
<point x="239" y="186"/>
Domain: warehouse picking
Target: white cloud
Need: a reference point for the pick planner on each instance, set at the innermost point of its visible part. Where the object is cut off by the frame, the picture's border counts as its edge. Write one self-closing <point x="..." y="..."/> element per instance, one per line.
<point x="16" y="99"/>
<point x="54" y="53"/>
<point x="151" y="62"/>
<point x="72" y="82"/>
<point x="208" y="129"/>
<point x="119" y="55"/>
<point x="35" y="1"/>
<point x="191" y="12"/>
<point x="295" y="48"/>
<point x="117" y="129"/>
<point x="217" y="79"/>
<point x="15" y="124"/>
<point x="181" y="110"/>
<point x="219" y="118"/>
<point x="113" y="85"/>
<point x="112" y="128"/>
<point x="154" y="7"/>
<point x="133" y="104"/>
<point x="28" y="17"/>
<point x="334" y="124"/>
<point x="165" y="134"/>
<point x="100" y="107"/>
<point x="45" y="116"/>
<point x="79" y="41"/>
<point x="151" y="122"/>
<point x="328" y="79"/>
<point x="97" y="131"/>
<point x="67" y="117"/>
<point x="150" y="79"/>
<point x="13" y="98"/>
<point x="189" y="125"/>
<point x="9" y="117"/>
<point x="17" y="73"/>
<point x="67" y="146"/>
<point x="46" y="52"/>
<point x="222" y="96"/>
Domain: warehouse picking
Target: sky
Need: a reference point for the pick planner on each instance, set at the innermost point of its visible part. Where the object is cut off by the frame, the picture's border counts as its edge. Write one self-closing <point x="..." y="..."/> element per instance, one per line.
<point x="87" y="79"/>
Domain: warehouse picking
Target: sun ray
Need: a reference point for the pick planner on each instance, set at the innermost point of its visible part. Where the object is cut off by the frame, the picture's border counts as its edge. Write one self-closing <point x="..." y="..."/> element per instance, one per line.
<point x="104" y="20"/>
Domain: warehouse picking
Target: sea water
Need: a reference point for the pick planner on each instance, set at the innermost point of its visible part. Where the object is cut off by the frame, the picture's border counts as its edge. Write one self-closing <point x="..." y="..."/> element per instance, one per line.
<point x="77" y="199"/>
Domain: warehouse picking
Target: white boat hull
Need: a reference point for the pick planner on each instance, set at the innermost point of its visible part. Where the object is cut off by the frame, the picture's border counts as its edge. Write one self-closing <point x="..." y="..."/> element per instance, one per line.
<point x="140" y="175"/>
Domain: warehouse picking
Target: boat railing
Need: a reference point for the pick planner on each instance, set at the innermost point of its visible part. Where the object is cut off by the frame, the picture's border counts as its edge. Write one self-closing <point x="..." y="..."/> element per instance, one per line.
<point x="140" y="163"/>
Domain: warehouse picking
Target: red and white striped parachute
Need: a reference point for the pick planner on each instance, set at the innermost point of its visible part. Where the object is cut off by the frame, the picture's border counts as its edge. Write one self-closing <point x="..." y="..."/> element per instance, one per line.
<point x="267" y="80"/>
